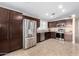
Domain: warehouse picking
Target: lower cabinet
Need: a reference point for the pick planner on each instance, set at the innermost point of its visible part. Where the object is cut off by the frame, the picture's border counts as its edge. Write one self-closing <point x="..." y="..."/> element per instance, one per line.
<point x="53" y="35"/>
<point x="68" y="37"/>
<point x="47" y="35"/>
<point x="38" y="37"/>
<point x="43" y="36"/>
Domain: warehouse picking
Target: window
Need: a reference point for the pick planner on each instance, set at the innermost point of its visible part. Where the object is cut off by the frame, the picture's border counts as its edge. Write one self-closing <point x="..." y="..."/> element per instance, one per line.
<point x="43" y="25"/>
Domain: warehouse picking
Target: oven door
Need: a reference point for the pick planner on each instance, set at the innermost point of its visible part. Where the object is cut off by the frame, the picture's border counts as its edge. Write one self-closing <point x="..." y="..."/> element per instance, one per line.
<point x="60" y="35"/>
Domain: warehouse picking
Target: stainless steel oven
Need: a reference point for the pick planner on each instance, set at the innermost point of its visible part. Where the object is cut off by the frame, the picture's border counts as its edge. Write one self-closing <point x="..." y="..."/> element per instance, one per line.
<point x="60" y="35"/>
<point x="60" y="32"/>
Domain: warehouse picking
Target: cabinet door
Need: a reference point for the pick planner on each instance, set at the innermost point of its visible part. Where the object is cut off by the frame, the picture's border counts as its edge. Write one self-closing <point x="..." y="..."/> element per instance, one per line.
<point x="38" y="24"/>
<point x="53" y="35"/>
<point x="68" y="33"/>
<point x="60" y="22"/>
<point x="4" y="31"/>
<point x="15" y="30"/>
<point x="38" y="37"/>
<point x="52" y="24"/>
<point x="68" y="22"/>
<point x="68" y="37"/>
<point x="47" y="35"/>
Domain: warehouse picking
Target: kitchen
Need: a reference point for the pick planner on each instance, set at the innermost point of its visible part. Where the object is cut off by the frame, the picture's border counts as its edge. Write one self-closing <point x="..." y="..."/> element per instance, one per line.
<point x="61" y="30"/>
<point x="23" y="31"/>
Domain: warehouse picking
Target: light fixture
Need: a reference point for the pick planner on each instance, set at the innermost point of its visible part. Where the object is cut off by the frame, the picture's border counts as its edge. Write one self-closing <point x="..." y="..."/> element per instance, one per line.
<point x="46" y="14"/>
<point x="63" y="10"/>
<point x="51" y="16"/>
<point x="60" y="6"/>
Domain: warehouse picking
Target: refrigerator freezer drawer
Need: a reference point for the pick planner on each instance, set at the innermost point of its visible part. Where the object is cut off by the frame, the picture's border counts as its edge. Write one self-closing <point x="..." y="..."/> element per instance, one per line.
<point x="29" y="42"/>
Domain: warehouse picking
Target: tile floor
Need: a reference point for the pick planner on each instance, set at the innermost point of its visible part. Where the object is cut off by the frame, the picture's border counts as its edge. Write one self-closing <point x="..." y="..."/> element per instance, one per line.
<point x="50" y="47"/>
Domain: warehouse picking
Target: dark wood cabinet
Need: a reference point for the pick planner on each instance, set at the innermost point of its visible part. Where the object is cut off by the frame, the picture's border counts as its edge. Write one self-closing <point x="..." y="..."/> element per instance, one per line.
<point x="53" y="35"/>
<point x="15" y="26"/>
<point x="38" y="37"/>
<point x="10" y="30"/>
<point x="68" y="22"/>
<point x="47" y="35"/>
<point x="52" y="24"/>
<point x="61" y="22"/>
<point x="4" y="31"/>
<point x="38" y="24"/>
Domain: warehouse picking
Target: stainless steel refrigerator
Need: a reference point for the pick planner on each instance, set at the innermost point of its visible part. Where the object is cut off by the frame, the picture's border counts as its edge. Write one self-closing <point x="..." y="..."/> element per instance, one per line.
<point x="29" y="33"/>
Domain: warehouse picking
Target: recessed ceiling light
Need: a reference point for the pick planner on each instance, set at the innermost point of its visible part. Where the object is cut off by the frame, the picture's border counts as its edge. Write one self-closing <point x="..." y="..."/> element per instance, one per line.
<point x="51" y="16"/>
<point x="60" y="6"/>
<point x="63" y="10"/>
<point x="46" y="14"/>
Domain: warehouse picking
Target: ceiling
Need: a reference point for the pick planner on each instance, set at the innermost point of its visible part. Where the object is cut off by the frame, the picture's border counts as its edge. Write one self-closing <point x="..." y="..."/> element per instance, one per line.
<point x="49" y="11"/>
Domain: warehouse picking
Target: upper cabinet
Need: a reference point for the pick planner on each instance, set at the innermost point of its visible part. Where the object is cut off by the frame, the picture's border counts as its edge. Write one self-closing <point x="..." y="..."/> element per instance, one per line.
<point x="69" y="22"/>
<point x="56" y="23"/>
<point x="60" y="22"/>
<point x="52" y="24"/>
<point x="38" y="24"/>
